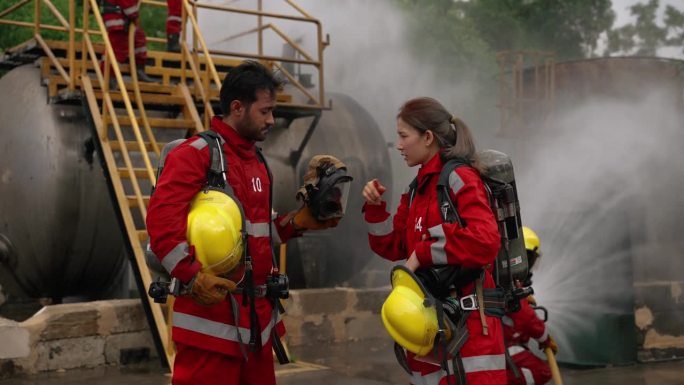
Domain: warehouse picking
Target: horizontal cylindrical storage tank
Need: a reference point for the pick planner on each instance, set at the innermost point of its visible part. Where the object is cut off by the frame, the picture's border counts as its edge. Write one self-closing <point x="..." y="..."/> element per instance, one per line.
<point x="58" y="232"/>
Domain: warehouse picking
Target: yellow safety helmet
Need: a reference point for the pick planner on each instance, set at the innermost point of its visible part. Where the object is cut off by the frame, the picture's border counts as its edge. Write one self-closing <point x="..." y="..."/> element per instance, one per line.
<point x="408" y="320"/>
<point x="532" y="245"/>
<point x="532" y="242"/>
<point x="215" y="230"/>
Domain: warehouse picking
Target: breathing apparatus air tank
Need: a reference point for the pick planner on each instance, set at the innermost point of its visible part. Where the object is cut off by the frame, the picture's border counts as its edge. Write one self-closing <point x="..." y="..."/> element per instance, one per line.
<point x="511" y="263"/>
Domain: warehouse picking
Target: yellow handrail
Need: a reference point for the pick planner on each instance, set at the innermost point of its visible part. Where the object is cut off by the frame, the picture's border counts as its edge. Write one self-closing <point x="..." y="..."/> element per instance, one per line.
<point x="136" y="88"/>
<point x="190" y="55"/>
<point x="111" y="62"/>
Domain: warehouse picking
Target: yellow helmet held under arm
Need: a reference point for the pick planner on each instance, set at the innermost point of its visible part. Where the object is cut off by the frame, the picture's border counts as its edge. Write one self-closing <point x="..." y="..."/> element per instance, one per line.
<point x="408" y="320"/>
<point x="215" y="224"/>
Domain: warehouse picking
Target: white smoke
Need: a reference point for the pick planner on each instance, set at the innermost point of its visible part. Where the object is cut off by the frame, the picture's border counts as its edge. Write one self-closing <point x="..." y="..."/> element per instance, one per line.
<point x="369" y="59"/>
<point x="598" y="186"/>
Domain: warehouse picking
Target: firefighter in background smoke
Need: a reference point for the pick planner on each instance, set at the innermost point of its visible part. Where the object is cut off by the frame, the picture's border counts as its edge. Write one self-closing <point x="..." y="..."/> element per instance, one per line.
<point x="522" y="326"/>
<point x="216" y="343"/>
<point x="118" y="15"/>
<point x="429" y="136"/>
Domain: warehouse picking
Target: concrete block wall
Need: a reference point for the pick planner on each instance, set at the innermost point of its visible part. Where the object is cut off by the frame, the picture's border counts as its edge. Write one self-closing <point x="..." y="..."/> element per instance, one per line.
<point x="334" y="315"/>
<point x="80" y="335"/>
<point x="92" y="334"/>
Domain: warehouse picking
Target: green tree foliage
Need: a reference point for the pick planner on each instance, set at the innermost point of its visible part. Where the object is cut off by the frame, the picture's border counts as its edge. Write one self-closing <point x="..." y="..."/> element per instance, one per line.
<point x="442" y="34"/>
<point x="153" y="21"/>
<point x="569" y="28"/>
<point x="469" y="31"/>
<point x="645" y="36"/>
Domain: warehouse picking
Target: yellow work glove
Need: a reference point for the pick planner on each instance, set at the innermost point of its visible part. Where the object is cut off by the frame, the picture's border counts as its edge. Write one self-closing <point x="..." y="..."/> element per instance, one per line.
<point x="305" y="220"/>
<point x="208" y="290"/>
<point x="549" y="343"/>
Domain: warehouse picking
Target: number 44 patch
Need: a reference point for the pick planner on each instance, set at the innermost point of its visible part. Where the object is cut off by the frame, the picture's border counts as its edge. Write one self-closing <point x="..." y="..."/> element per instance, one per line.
<point x="419" y="227"/>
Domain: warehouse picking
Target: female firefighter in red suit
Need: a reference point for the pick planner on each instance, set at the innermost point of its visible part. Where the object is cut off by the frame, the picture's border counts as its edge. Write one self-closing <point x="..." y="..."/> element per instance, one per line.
<point x="428" y="136"/>
<point x="210" y="342"/>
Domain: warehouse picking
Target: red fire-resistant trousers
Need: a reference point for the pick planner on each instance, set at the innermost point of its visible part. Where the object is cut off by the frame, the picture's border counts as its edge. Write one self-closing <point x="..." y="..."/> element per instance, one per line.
<point x="119" y="40"/>
<point x="533" y="370"/>
<point x="195" y="366"/>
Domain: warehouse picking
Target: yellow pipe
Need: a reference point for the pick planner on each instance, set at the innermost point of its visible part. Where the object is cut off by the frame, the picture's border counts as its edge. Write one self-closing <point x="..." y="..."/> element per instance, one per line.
<point x="553" y="365"/>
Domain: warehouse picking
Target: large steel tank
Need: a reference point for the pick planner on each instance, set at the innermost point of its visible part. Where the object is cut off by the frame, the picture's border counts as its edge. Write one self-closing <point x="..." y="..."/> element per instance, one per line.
<point x="58" y="233"/>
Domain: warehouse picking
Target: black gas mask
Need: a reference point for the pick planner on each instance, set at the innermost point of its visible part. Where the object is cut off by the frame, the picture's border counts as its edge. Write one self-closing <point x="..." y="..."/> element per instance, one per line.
<point x="328" y="198"/>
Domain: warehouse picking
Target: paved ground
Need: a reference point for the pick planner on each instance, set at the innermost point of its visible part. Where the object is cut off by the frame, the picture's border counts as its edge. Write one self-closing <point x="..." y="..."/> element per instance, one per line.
<point x="361" y="363"/>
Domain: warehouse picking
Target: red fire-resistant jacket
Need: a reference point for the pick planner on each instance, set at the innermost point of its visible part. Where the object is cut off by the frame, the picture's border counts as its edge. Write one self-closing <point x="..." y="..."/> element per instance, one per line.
<point x="116" y="13"/>
<point x="474" y="246"/>
<point x="185" y="172"/>
<point x="522" y="325"/>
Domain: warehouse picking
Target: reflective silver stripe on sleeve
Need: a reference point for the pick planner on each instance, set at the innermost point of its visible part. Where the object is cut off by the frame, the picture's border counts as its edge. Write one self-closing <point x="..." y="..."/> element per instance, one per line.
<point x="171" y="259"/>
<point x="455" y="182"/>
<point x="381" y="228"/>
<point x="210" y="328"/>
<point x="544" y="336"/>
<point x="199" y="143"/>
<point x="140" y="50"/>
<point x="113" y="23"/>
<point x="529" y="378"/>
<point x="260" y="229"/>
<point x="174" y="18"/>
<point x="437" y="249"/>
<point x="515" y="349"/>
<point x="131" y="10"/>
<point x="506" y="320"/>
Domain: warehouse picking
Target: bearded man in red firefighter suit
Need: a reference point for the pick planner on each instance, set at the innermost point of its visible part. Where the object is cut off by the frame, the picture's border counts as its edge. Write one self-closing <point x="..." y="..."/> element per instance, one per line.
<point x="429" y="135"/>
<point x="118" y="15"/>
<point x="208" y="349"/>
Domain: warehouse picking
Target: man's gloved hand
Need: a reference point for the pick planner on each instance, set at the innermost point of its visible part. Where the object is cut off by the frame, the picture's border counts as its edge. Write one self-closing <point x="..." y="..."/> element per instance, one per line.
<point x="305" y="220"/>
<point x="208" y="290"/>
<point x="549" y="343"/>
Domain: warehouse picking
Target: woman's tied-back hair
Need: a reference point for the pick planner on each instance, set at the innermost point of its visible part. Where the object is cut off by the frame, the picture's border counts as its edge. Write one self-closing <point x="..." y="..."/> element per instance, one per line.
<point x="452" y="134"/>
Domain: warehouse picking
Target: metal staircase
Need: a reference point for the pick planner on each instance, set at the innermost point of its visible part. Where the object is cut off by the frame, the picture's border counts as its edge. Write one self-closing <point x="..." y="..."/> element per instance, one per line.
<point x="133" y="122"/>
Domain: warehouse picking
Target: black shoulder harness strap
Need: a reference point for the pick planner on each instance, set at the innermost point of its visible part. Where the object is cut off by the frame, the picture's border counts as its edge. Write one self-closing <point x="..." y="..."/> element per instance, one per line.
<point x="218" y="166"/>
<point x="447" y="207"/>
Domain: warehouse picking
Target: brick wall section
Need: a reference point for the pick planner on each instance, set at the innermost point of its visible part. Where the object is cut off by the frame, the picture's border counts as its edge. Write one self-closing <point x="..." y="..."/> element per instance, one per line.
<point x="91" y="334"/>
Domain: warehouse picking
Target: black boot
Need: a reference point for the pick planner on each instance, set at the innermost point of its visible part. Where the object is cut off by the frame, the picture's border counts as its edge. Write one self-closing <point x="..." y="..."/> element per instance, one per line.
<point x="173" y="43"/>
<point x="142" y="76"/>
